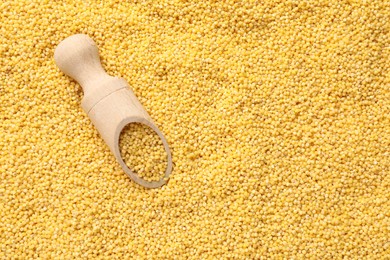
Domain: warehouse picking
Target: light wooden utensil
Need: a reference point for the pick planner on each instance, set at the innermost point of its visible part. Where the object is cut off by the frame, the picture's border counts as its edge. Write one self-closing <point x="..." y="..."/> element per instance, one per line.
<point x="108" y="101"/>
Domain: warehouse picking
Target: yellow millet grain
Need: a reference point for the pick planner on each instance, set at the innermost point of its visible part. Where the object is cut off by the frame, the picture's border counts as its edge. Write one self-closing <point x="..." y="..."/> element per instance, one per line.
<point x="143" y="152"/>
<point x="277" y="114"/>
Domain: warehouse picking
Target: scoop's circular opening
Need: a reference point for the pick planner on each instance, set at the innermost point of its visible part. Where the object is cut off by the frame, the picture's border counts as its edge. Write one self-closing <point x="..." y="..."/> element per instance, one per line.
<point x="143" y="152"/>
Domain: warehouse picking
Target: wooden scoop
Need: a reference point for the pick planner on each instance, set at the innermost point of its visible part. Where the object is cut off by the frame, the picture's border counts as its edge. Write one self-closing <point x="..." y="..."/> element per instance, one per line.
<point x="108" y="101"/>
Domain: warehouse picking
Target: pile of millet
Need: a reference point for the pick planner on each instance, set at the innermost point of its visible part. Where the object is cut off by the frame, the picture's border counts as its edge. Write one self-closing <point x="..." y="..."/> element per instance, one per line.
<point x="143" y="152"/>
<point x="277" y="114"/>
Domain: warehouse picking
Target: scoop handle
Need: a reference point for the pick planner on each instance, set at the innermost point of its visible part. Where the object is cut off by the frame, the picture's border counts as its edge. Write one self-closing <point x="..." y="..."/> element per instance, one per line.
<point x="78" y="57"/>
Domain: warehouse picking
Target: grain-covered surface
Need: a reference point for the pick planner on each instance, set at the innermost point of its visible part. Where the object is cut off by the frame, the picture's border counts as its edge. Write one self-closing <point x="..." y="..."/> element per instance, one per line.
<point x="277" y="114"/>
<point x="143" y="151"/>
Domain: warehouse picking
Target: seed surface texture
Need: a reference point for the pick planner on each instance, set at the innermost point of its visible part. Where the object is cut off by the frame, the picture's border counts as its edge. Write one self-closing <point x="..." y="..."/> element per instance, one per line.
<point x="277" y="113"/>
<point x="143" y="152"/>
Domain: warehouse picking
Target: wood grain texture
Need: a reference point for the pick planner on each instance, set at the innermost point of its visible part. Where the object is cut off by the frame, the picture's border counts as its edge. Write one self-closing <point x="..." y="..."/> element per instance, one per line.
<point x="109" y="101"/>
